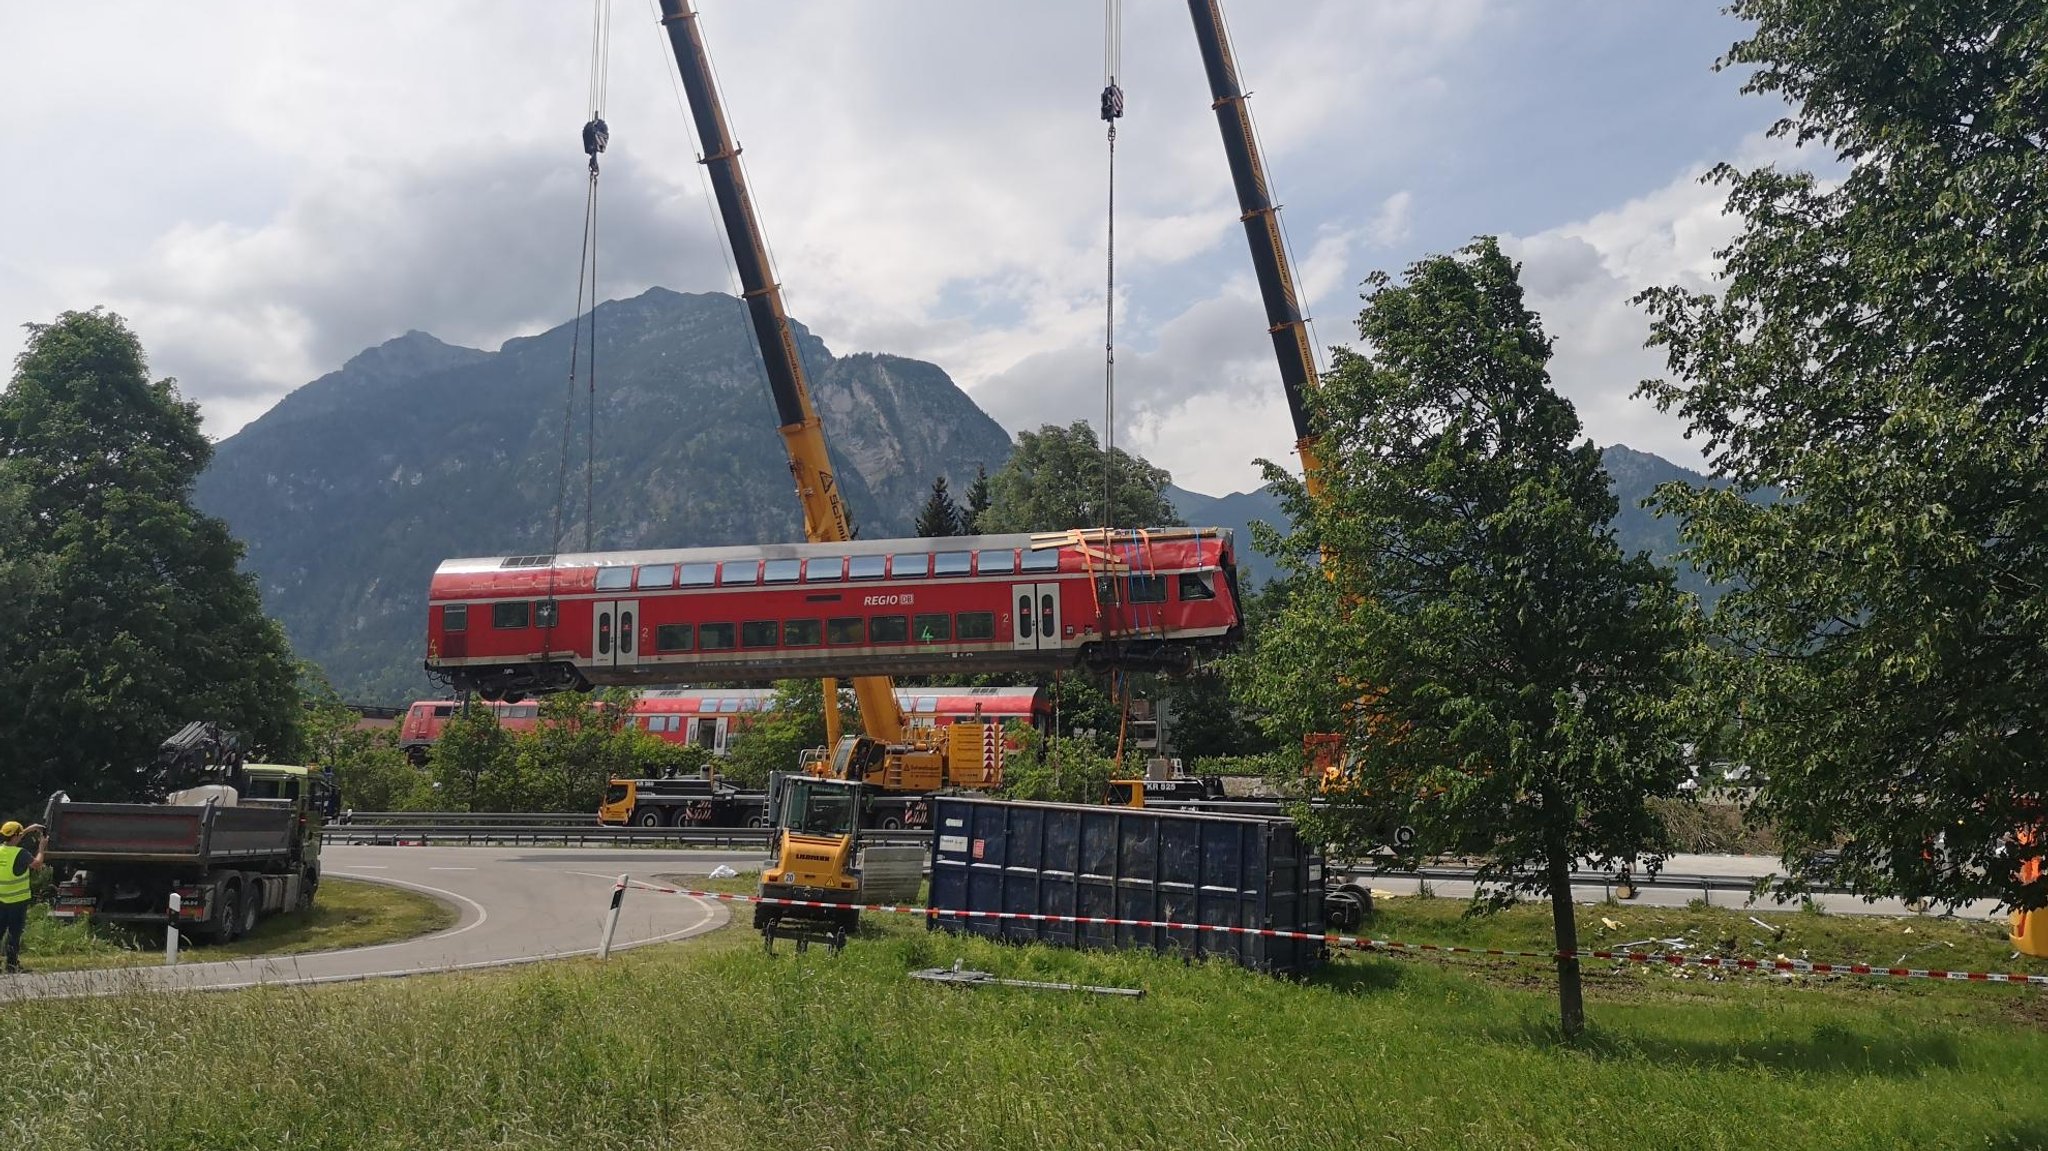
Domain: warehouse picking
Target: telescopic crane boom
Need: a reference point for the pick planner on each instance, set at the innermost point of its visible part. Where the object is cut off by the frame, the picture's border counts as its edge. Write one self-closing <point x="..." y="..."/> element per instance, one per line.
<point x="1262" y="228"/>
<point x="803" y="435"/>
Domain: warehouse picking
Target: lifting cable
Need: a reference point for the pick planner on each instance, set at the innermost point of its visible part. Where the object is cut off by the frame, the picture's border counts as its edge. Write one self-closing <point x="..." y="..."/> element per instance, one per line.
<point x="1112" y="111"/>
<point x="596" y="134"/>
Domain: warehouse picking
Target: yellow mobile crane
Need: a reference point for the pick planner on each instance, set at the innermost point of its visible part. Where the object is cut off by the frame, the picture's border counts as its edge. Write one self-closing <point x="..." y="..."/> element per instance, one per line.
<point x="817" y="813"/>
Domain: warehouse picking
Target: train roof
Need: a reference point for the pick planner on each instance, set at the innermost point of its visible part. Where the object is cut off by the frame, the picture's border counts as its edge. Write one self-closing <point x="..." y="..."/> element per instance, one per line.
<point x="908" y="546"/>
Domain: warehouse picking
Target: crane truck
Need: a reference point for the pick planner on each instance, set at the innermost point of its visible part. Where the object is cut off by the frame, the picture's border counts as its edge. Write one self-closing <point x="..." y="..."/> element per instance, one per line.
<point x="887" y="757"/>
<point x="236" y="841"/>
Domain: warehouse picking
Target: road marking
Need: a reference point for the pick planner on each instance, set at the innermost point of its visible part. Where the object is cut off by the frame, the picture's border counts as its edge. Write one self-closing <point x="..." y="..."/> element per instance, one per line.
<point x="451" y="869"/>
<point x="371" y="867"/>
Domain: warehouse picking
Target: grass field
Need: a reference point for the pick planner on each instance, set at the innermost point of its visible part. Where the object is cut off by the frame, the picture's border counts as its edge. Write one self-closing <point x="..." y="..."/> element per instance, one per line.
<point x="345" y="914"/>
<point x="714" y="1044"/>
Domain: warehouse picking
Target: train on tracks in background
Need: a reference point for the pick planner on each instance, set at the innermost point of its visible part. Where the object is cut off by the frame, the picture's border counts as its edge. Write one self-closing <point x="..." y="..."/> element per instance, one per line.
<point x="711" y="718"/>
<point x="507" y="627"/>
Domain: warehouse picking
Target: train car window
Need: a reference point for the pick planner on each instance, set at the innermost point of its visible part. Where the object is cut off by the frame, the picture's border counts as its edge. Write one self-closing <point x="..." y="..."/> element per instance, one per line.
<point x="952" y="563"/>
<point x="673" y="637"/>
<point x="865" y="567"/>
<point x="977" y="624"/>
<point x="781" y="571"/>
<point x="932" y="628"/>
<point x="545" y="613"/>
<point x="826" y="568"/>
<point x="714" y="636"/>
<point x="729" y="704"/>
<point x="443" y="710"/>
<point x="1198" y="585"/>
<point x="614" y="579"/>
<point x="750" y="704"/>
<point x="511" y="615"/>
<point x="658" y="575"/>
<point x="889" y="629"/>
<point x="1042" y="560"/>
<point x="524" y="711"/>
<point x="910" y="565"/>
<point x="846" y="629"/>
<point x="1146" y="589"/>
<point x="992" y="562"/>
<point x="761" y="633"/>
<point x="926" y="705"/>
<point x="801" y="633"/>
<point x="698" y="575"/>
<point x="739" y="572"/>
<point x="455" y="617"/>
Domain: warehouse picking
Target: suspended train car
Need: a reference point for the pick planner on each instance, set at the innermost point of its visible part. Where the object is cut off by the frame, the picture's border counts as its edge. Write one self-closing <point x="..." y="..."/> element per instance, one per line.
<point x="510" y="626"/>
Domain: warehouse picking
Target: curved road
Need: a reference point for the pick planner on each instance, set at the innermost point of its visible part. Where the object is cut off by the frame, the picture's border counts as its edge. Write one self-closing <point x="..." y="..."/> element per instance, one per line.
<point x="515" y="904"/>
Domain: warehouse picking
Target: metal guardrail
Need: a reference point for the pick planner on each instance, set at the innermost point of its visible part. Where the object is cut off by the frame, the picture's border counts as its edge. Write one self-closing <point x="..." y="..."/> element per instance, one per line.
<point x="452" y="834"/>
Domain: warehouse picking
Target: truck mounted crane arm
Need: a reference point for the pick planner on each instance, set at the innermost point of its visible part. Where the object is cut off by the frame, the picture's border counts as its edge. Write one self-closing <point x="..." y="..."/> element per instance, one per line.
<point x="1262" y="228"/>
<point x="803" y="434"/>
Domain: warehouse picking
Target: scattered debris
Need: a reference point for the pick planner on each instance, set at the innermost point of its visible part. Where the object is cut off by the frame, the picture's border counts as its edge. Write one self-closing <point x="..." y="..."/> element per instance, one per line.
<point x="722" y="872"/>
<point x="1610" y="924"/>
<point x="1776" y="931"/>
<point x="959" y="977"/>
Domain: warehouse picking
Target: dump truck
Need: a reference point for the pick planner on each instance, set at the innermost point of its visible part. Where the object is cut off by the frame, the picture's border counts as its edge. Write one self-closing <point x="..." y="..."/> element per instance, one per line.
<point x="234" y="852"/>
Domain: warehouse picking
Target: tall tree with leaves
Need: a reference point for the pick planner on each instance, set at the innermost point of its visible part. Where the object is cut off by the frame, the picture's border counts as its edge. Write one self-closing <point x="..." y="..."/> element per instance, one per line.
<point x="1520" y="666"/>
<point x="1054" y="481"/>
<point x="1877" y="356"/>
<point x="940" y="516"/>
<point x="977" y="502"/>
<point x="140" y="621"/>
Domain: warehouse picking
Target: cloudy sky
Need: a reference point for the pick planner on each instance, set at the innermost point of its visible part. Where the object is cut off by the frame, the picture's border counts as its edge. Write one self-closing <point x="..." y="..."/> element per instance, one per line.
<point x="265" y="189"/>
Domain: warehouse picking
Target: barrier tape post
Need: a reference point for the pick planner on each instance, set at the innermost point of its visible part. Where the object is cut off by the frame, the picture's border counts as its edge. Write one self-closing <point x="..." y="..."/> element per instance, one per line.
<point x="1361" y="943"/>
<point x="611" y="919"/>
<point x="171" y="930"/>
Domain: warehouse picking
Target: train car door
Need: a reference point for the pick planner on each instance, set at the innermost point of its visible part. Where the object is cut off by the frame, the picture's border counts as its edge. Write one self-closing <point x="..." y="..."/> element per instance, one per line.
<point x="705" y="734"/>
<point x="615" y="634"/>
<point x="1038" y="616"/>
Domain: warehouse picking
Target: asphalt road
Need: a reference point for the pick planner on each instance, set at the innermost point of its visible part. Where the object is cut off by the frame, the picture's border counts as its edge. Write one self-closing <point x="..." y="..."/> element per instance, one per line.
<point x="1733" y="866"/>
<point x="516" y="905"/>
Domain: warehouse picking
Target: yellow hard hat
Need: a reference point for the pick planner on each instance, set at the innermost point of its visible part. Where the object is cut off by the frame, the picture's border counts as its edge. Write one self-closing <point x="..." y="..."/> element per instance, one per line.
<point x="10" y="829"/>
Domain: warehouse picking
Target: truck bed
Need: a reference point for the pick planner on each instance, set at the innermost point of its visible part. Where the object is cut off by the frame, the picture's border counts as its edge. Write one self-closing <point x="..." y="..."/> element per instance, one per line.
<point x="156" y="833"/>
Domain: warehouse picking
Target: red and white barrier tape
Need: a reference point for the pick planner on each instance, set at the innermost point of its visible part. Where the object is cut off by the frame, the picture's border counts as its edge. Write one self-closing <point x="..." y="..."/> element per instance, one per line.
<point x="1361" y="943"/>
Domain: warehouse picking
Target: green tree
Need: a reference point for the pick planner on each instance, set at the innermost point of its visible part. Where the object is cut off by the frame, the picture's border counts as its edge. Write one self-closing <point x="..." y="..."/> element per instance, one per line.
<point x="1877" y="358"/>
<point x="475" y="762"/>
<point x="1520" y="666"/>
<point x="1054" y="481"/>
<point x="939" y="516"/>
<point x="977" y="502"/>
<point x="1055" y="768"/>
<point x="580" y="743"/>
<point x="368" y="767"/>
<point x="139" y="621"/>
<point x="795" y="724"/>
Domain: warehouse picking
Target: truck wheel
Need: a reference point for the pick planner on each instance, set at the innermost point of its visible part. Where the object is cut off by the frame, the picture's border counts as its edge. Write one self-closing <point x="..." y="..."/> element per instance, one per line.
<point x="892" y="823"/>
<point x="252" y="910"/>
<point x="648" y="817"/>
<point x="227" y="918"/>
<point x="757" y="822"/>
<point x="308" y="887"/>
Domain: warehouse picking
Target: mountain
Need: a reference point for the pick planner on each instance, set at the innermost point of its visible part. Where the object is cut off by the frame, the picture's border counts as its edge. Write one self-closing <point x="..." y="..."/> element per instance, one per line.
<point x="1633" y="475"/>
<point x="351" y="490"/>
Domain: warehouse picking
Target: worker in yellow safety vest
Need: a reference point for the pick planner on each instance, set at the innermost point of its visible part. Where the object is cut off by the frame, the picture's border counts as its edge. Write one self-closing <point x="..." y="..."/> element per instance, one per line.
<point x="16" y="866"/>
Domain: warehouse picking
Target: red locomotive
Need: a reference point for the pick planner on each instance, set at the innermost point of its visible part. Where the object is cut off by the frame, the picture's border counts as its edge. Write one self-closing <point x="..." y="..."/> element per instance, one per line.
<point x="509" y="626"/>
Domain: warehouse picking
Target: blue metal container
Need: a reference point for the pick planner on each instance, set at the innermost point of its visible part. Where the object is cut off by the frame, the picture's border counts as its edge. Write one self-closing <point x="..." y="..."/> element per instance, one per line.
<point x="1128" y="863"/>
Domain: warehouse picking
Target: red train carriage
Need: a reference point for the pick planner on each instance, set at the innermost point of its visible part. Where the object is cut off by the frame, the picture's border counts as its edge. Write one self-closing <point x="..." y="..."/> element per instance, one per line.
<point x="711" y="717"/>
<point x="509" y="626"/>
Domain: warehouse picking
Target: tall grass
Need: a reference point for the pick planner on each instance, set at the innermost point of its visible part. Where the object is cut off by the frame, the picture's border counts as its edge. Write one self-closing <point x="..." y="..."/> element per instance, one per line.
<point x="714" y="1044"/>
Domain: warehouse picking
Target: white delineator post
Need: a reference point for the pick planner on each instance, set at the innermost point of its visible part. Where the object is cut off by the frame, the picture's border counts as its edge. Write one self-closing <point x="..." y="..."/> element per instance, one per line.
<point x="611" y="919"/>
<point x="171" y="930"/>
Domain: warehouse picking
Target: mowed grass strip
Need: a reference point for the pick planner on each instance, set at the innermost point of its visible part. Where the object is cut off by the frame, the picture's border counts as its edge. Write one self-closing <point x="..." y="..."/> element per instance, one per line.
<point x="346" y="913"/>
<point x="714" y="1044"/>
